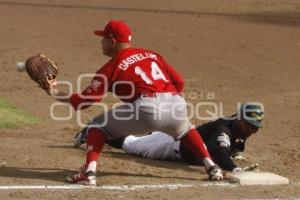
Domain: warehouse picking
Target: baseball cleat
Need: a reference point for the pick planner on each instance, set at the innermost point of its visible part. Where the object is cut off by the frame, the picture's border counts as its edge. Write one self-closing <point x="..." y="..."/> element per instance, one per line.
<point x="80" y="138"/>
<point x="88" y="178"/>
<point x="215" y="173"/>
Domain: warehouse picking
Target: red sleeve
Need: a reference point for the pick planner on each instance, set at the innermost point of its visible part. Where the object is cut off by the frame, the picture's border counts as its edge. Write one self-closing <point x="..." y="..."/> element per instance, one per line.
<point x="93" y="93"/>
<point x="176" y="78"/>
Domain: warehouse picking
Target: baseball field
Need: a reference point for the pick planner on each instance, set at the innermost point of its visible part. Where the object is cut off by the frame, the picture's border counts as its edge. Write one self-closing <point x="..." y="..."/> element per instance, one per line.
<point x="229" y="52"/>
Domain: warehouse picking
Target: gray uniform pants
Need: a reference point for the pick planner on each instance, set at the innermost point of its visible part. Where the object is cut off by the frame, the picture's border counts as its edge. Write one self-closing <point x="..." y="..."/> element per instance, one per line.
<point x="163" y="112"/>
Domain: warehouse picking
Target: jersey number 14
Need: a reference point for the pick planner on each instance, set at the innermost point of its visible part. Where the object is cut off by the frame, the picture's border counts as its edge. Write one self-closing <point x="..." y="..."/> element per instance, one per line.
<point x="156" y="74"/>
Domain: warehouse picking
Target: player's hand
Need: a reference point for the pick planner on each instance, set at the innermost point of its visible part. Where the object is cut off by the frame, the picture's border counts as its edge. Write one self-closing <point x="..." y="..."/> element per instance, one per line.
<point x="237" y="170"/>
<point x="251" y="167"/>
<point x="239" y="158"/>
<point x="52" y="91"/>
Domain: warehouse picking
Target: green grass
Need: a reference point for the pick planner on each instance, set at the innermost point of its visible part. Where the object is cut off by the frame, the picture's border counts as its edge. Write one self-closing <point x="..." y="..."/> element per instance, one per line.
<point x="13" y="117"/>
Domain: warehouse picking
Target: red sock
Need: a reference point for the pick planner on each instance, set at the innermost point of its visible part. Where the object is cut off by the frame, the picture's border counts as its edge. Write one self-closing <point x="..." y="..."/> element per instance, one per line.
<point x="193" y="141"/>
<point x="95" y="142"/>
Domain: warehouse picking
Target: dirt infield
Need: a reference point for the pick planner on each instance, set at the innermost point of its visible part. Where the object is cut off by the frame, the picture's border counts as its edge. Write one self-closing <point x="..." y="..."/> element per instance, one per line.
<point x="239" y="50"/>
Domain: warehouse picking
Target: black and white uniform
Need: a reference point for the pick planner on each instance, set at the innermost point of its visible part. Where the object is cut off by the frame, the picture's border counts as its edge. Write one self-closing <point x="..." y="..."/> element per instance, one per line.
<point x="218" y="136"/>
<point x="221" y="142"/>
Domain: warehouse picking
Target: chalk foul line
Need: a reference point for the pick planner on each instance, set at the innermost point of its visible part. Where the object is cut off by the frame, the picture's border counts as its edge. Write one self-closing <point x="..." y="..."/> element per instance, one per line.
<point x="110" y="187"/>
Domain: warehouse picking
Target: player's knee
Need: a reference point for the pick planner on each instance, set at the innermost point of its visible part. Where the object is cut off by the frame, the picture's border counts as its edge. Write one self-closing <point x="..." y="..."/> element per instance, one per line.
<point x="129" y="140"/>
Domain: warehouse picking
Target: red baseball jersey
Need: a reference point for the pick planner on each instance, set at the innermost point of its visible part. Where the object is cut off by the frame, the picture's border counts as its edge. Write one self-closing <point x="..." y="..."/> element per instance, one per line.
<point x="129" y="74"/>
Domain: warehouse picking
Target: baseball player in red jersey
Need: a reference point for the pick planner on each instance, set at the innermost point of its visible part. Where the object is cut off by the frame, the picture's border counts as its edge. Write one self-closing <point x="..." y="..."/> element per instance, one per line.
<point x="150" y="88"/>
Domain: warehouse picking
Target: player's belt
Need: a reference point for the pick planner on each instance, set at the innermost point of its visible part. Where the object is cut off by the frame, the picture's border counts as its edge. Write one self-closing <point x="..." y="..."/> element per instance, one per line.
<point x="158" y="94"/>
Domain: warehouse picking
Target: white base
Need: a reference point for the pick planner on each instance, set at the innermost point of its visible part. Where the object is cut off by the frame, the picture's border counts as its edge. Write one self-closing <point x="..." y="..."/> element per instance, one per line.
<point x="258" y="178"/>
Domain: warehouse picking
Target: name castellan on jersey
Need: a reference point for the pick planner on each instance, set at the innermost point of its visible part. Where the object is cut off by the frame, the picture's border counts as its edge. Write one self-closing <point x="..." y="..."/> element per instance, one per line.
<point x="124" y="64"/>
